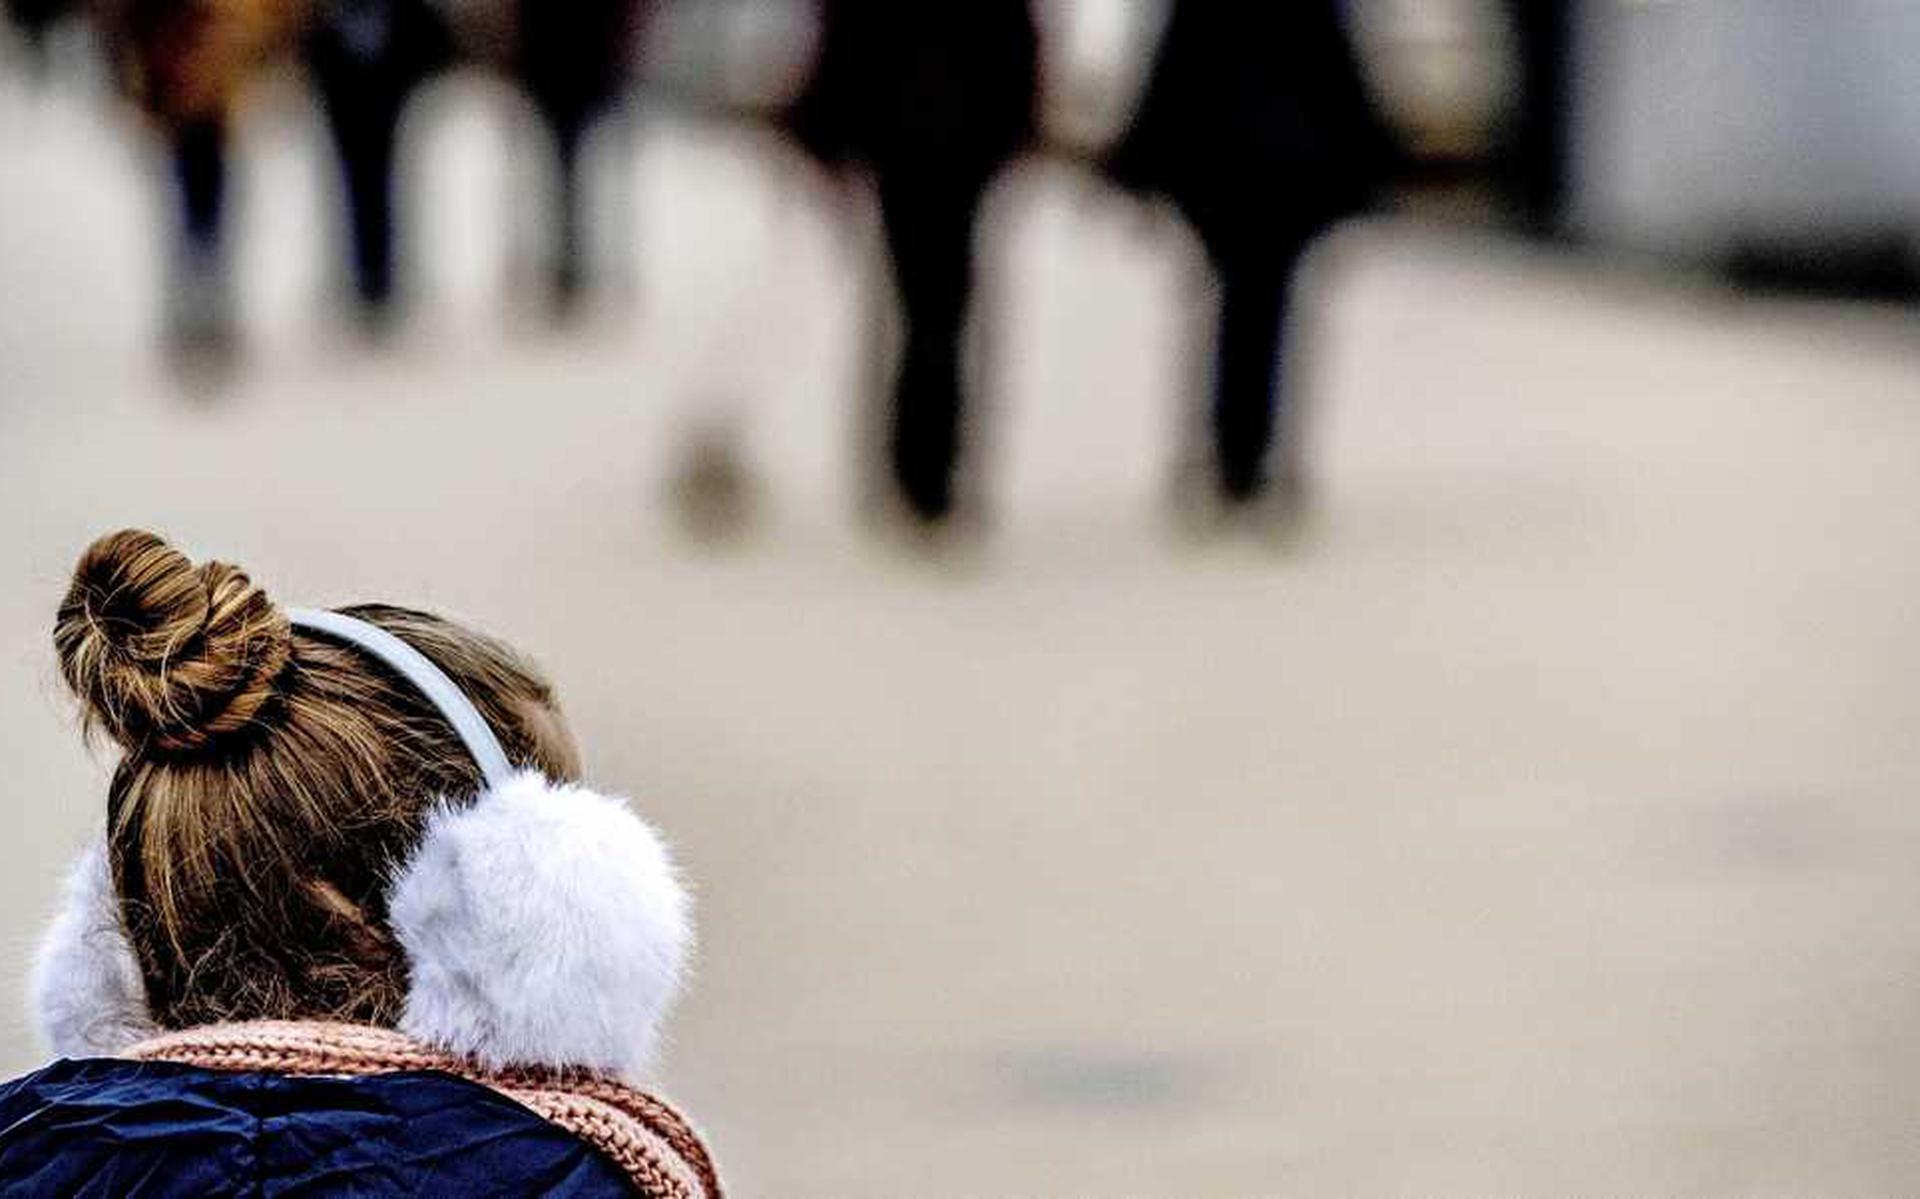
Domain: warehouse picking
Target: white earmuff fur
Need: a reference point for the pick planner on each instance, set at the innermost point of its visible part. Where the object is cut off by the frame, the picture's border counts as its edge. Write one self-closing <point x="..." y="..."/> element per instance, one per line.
<point x="86" y="984"/>
<point x="544" y="925"/>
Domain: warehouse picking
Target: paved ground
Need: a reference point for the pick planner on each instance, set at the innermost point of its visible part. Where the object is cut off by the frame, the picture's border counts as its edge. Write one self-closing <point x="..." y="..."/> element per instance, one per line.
<point x="1545" y="827"/>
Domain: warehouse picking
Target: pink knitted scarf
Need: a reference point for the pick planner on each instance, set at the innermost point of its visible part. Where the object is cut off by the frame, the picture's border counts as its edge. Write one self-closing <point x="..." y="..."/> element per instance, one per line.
<point x="644" y="1136"/>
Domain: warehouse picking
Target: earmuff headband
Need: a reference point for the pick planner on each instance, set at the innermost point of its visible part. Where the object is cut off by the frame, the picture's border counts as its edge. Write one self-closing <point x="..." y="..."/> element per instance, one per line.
<point x="430" y="680"/>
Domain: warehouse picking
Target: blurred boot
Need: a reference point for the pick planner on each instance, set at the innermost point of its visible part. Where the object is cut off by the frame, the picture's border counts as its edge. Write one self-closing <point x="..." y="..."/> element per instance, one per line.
<point x="714" y="492"/>
<point x="1279" y="514"/>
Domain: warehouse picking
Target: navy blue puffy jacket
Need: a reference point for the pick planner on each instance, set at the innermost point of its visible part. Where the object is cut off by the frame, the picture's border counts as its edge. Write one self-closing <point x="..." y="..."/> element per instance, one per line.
<point x="104" y="1127"/>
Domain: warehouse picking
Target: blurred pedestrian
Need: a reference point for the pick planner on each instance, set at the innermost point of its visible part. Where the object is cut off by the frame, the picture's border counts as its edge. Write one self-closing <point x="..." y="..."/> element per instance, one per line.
<point x="367" y="58"/>
<point x="933" y="100"/>
<point x="184" y="63"/>
<point x="1257" y="126"/>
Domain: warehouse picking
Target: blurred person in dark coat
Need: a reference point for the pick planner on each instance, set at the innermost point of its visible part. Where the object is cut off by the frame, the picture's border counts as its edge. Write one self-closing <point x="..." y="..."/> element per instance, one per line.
<point x="933" y="99"/>
<point x="1255" y="124"/>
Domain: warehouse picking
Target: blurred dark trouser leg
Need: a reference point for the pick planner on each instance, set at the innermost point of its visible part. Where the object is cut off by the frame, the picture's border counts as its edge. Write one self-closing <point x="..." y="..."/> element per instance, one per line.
<point x="200" y="171"/>
<point x="366" y="57"/>
<point x="1248" y="364"/>
<point x="569" y="278"/>
<point x="199" y="309"/>
<point x="364" y="113"/>
<point x="1540" y="149"/>
<point x="929" y="219"/>
<point x="574" y="60"/>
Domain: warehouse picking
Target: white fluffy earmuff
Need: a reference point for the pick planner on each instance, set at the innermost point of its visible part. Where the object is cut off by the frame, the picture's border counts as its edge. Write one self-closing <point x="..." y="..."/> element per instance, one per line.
<point x="85" y="985"/>
<point x="543" y="924"/>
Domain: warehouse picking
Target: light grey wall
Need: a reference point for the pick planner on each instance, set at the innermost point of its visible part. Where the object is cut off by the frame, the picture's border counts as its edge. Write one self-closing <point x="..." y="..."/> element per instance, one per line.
<point x="1779" y="117"/>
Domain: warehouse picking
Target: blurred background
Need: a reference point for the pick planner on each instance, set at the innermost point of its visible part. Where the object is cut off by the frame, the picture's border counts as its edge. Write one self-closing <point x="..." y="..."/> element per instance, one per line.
<point x="1220" y="598"/>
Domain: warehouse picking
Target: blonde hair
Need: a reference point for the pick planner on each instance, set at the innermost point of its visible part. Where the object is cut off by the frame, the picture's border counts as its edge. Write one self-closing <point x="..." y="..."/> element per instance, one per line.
<point x="271" y="780"/>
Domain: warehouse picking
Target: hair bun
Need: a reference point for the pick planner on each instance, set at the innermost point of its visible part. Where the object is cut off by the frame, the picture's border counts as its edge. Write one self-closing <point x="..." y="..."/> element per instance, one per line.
<point x="166" y="654"/>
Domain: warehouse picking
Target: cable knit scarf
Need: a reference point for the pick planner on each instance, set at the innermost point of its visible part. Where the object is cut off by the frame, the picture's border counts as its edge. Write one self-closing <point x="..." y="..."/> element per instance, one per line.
<point x="644" y="1136"/>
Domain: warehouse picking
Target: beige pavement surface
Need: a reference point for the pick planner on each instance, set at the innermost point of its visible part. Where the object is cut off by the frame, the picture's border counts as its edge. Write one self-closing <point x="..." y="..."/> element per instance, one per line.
<point x="1547" y="827"/>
